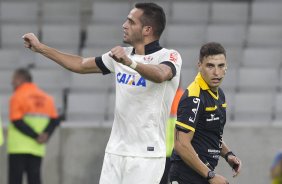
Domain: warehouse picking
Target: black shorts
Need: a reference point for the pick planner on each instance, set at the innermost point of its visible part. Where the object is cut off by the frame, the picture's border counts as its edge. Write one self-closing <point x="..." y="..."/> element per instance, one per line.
<point x="183" y="174"/>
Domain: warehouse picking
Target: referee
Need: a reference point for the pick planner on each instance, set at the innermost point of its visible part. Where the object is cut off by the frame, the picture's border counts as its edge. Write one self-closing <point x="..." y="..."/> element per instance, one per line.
<point x="201" y="117"/>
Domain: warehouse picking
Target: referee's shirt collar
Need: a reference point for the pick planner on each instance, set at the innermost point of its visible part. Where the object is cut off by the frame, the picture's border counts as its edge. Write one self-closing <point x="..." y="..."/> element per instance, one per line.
<point x="204" y="86"/>
<point x="202" y="83"/>
<point x="150" y="48"/>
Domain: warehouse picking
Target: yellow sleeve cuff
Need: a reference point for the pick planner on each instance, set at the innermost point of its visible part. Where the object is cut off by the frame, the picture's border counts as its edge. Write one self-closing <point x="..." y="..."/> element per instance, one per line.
<point x="185" y="126"/>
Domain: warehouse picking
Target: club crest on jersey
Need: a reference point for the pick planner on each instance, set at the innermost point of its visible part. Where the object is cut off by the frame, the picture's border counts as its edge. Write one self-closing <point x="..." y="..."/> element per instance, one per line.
<point x="148" y="58"/>
<point x="133" y="80"/>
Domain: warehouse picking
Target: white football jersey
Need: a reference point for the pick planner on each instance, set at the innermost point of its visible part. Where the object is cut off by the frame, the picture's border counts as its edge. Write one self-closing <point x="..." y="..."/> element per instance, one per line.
<point x="142" y="106"/>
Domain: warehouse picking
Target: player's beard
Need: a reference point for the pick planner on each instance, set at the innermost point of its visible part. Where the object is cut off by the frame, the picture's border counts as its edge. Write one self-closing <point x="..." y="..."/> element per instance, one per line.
<point x="133" y="39"/>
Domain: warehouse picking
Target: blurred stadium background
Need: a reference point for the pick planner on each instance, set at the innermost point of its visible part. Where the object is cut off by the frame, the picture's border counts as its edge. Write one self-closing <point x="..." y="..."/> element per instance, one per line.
<point x="250" y="30"/>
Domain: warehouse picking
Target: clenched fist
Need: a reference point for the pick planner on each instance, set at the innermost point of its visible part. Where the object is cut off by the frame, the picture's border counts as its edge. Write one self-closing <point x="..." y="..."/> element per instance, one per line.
<point x="31" y="42"/>
<point x="119" y="55"/>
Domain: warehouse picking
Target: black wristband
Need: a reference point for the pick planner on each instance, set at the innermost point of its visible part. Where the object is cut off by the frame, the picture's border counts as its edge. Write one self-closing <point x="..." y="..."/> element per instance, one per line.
<point x="227" y="154"/>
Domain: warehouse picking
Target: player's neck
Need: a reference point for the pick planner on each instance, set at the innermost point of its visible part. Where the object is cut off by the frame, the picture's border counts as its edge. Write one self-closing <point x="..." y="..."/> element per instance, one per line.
<point x="140" y="47"/>
<point x="214" y="89"/>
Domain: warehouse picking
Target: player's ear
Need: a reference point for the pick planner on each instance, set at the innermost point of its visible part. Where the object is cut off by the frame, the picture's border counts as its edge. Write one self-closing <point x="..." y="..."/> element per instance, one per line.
<point x="147" y="30"/>
<point x="225" y="69"/>
<point x="199" y="65"/>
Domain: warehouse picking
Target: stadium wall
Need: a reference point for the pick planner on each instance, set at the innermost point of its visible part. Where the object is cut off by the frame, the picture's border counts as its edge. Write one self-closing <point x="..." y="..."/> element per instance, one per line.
<point x="75" y="154"/>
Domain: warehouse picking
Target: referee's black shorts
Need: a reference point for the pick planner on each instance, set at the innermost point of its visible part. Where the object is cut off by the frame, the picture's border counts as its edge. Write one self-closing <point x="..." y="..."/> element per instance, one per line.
<point x="180" y="173"/>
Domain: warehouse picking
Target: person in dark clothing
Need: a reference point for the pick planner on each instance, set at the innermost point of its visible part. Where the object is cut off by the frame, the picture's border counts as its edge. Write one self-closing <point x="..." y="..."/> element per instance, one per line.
<point x="201" y="117"/>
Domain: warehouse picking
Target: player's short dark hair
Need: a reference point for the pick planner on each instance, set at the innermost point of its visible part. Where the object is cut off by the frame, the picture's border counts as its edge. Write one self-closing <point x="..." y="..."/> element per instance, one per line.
<point x="210" y="49"/>
<point x="24" y="74"/>
<point x="153" y="15"/>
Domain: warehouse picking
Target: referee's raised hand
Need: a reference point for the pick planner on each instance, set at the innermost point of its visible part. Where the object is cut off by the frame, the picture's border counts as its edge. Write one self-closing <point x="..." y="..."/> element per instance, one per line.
<point x="31" y="42"/>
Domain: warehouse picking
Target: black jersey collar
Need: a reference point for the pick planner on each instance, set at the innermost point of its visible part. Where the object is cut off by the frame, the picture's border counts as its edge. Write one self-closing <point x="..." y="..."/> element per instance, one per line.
<point x="150" y="48"/>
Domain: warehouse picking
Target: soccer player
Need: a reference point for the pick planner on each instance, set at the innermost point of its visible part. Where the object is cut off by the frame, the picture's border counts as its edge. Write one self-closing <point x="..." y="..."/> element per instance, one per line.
<point x="201" y="117"/>
<point x="147" y="77"/>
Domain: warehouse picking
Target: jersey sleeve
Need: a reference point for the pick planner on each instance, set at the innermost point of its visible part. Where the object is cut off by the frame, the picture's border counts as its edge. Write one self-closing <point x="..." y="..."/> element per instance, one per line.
<point x="105" y="63"/>
<point x="173" y="59"/>
<point x="189" y="110"/>
<point x="109" y="62"/>
<point x="16" y="109"/>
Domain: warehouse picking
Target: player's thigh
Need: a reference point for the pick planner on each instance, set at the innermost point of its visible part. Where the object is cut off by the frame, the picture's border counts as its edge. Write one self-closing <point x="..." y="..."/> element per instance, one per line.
<point x="111" y="170"/>
<point x="139" y="170"/>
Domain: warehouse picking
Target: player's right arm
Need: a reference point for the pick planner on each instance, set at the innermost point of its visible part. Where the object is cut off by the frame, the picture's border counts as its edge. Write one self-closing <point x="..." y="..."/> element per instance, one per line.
<point x="71" y="62"/>
<point x="187" y="116"/>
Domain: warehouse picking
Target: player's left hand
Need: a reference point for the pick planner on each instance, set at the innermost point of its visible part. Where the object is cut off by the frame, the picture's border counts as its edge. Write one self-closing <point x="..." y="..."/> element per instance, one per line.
<point x="119" y="55"/>
<point x="235" y="163"/>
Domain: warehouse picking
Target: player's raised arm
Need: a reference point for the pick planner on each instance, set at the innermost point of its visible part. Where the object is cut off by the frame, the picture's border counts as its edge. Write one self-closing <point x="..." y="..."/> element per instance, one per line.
<point x="156" y="73"/>
<point x="71" y="62"/>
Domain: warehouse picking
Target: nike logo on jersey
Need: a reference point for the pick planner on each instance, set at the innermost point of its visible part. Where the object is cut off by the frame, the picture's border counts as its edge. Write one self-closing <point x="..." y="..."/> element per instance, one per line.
<point x="133" y="80"/>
